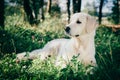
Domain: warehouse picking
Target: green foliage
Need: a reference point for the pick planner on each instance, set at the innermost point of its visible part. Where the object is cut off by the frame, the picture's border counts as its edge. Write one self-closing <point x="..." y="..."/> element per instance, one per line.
<point x="40" y="70"/>
<point x="19" y="37"/>
<point x="16" y="38"/>
<point x="55" y="11"/>
<point x="10" y="70"/>
<point x="45" y="71"/>
<point x="115" y="15"/>
<point x="107" y="48"/>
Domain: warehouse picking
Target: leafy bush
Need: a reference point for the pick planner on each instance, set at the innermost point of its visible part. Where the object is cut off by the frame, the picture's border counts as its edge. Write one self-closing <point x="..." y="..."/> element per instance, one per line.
<point x="10" y="70"/>
<point x="114" y="16"/>
<point x="107" y="48"/>
<point x="40" y="70"/>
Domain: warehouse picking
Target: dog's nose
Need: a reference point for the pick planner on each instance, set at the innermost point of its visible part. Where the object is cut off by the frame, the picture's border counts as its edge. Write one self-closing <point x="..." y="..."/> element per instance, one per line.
<point x="67" y="29"/>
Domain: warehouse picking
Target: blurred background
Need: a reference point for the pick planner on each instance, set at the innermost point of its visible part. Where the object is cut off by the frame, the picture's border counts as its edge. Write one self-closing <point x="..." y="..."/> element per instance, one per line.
<point x="36" y="11"/>
<point x="26" y="25"/>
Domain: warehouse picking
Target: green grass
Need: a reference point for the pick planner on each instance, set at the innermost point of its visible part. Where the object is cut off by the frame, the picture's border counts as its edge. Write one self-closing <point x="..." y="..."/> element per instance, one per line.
<point x="20" y="36"/>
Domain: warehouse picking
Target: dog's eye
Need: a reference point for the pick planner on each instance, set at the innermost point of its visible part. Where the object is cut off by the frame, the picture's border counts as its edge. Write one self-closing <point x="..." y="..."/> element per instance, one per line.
<point x="78" y="22"/>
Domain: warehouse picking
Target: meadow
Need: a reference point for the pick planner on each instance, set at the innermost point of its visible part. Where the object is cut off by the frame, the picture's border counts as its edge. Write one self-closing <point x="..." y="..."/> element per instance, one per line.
<point x="19" y="36"/>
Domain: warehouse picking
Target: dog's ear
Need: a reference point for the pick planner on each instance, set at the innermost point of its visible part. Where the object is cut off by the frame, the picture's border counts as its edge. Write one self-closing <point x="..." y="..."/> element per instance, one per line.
<point x="91" y="24"/>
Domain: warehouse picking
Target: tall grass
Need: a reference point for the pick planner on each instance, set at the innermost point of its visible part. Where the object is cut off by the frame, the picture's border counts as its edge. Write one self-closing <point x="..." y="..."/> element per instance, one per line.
<point x="21" y="37"/>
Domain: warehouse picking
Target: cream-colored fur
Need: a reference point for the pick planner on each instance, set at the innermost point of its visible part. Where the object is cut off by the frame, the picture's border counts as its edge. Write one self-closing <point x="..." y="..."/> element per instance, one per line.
<point x="82" y="32"/>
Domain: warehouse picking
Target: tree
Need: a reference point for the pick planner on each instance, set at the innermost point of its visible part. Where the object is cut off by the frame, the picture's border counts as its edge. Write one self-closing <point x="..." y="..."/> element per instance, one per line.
<point x="91" y="8"/>
<point x="17" y="2"/>
<point x="2" y="18"/>
<point x="49" y="6"/>
<point x="35" y="5"/>
<point x="38" y="9"/>
<point x="76" y="6"/>
<point x="100" y="11"/>
<point x="68" y="10"/>
<point x="33" y="9"/>
<point x="115" y="15"/>
<point x="28" y="11"/>
<point x="42" y="10"/>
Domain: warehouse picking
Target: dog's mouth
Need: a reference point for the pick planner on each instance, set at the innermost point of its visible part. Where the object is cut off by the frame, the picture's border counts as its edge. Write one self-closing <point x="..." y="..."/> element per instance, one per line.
<point x="77" y="35"/>
<point x="69" y="34"/>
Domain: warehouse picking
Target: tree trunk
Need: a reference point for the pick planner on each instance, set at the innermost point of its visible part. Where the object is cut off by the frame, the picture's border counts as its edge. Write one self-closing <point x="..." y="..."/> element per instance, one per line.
<point x="118" y="2"/>
<point x="79" y="5"/>
<point x="68" y="10"/>
<point x="76" y="6"/>
<point x="49" y="6"/>
<point x="35" y="8"/>
<point x="2" y="18"/>
<point x="42" y="10"/>
<point x="28" y="11"/>
<point x="100" y="11"/>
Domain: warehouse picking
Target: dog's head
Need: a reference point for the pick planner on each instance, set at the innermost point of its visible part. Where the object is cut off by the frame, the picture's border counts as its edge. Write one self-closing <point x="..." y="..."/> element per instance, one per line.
<point x="81" y="24"/>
